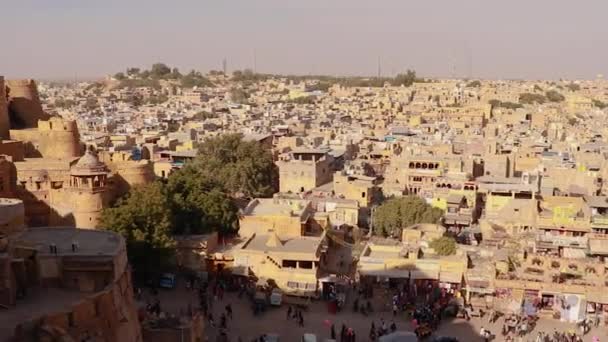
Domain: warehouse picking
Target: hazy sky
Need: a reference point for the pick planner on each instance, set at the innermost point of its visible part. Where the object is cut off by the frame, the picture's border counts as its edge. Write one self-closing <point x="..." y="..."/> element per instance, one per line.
<point x="479" y="38"/>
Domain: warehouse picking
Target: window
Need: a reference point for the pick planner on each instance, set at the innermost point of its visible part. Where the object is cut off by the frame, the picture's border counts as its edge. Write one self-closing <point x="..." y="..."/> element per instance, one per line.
<point x="305" y="265"/>
<point x="363" y="194"/>
<point x="292" y="284"/>
<point x="289" y="263"/>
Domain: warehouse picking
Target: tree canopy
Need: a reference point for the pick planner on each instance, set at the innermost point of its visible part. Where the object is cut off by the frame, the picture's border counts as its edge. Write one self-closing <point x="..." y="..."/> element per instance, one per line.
<point x="599" y="104"/>
<point x="530" y="98"/>
<point x="199" y="205"/>
<point x="398" y="213"/>
<point x="499" y="104"/>
<point x="554" y="96"/>
<point x="238" y="167"/>
<point x="573" y="86"/>
<point x="160" y="70"/>
<point x="144" y="219"/>
<point x="444" y="245"/>
<point x="474" y="84"/>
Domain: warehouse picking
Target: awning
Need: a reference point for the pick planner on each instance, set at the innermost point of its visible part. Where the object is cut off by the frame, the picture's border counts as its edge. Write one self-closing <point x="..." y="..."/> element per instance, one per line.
<point x="450" y="277"/>
<point x="424" y="274"/>
<point x="598" y="247"/>
<point x="389" y="273"/>
<point x="481" y="290"/>
<point x="597" y="297"/>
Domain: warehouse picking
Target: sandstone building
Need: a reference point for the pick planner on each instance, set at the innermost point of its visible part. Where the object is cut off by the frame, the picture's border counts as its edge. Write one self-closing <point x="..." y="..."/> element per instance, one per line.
<point x="59" y="183"/>
<point x="63" y="284"/>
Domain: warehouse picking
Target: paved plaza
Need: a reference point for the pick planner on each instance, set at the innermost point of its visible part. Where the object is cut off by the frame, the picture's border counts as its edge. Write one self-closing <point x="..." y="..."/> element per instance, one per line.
<point x="247" y="326"/>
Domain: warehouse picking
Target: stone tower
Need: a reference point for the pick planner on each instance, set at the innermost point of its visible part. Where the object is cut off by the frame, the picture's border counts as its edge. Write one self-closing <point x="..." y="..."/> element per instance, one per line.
<point x="24" y="104"/>
<point x="4" y="120"/>
<point x="55" y="138"/>
<point x="88" y="190"/>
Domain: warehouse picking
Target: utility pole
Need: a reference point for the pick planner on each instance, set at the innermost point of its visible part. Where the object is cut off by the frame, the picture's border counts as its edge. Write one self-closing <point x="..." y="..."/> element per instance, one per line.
<point x="379" y="68"/>
<point x="225" y="66"/>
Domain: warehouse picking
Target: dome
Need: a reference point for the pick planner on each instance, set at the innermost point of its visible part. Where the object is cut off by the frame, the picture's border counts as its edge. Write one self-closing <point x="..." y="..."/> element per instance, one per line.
<point x="88" y="164"/>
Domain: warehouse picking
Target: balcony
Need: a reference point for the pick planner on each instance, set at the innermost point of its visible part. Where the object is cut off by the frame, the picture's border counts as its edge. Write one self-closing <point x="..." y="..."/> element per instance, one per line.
<point x="599" y="220"/>
<point x="563" y="241"/>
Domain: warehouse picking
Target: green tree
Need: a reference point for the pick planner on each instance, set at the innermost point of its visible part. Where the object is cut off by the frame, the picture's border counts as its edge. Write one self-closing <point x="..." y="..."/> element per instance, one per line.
<point x="474" y="84"/>
<point x="599" y="104"/>
<point x="530" y="98"/>
<point x="398" y="213"/>
<point x="195" y="79"/>
<point x="199" y="205"/>
<point x="133" y="71"/>
<point x="239" y="168"/>
<point x="144" y="219"/>
<point x="120" y="76"/>
<point x="573" y="86"/>
<point x="444" y="245"/>
<point x="554" y="96"/>
<point x="406" y="79"/>
<point x="160" y="70"/>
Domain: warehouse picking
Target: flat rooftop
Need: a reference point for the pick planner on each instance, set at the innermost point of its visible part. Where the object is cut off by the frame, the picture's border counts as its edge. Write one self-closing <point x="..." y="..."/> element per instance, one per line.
<point x="90" y="242"/>
<point x="274" y="206"/>
<point x="304" y="244"/>
<point x="37" y="302"/>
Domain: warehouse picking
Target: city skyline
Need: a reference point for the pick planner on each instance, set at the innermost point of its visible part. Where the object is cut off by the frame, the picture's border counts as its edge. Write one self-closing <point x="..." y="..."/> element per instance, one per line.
<point x="540" y="40"/>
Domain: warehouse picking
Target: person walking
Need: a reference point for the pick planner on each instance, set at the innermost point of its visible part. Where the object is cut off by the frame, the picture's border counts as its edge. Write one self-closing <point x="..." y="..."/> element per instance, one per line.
<point x="229" y="311"/>
<point x="332" y="332"/>
<point x="289" y="309"/>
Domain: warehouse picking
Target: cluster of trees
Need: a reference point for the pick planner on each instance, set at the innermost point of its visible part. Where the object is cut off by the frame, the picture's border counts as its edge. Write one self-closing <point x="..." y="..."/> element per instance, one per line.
<point x="135" y="77"/>
<point x="195" y="79"/>
<point x="554" y="96"/>
<point x="550" y="95"/>
<point x="398" y="213"/>
<point x="530" y="98"/>
<point x="248" y="75"/>
<point x="474" y="84"/>
<point x="573" y="87"/>
<point x="599" y="104"/>
<point x="198" y="199"/>
<point x="408" y="78"/>
<point x="444" y="245"/>
<point x="509" y="105"/>
<point x="320" y="86"/>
